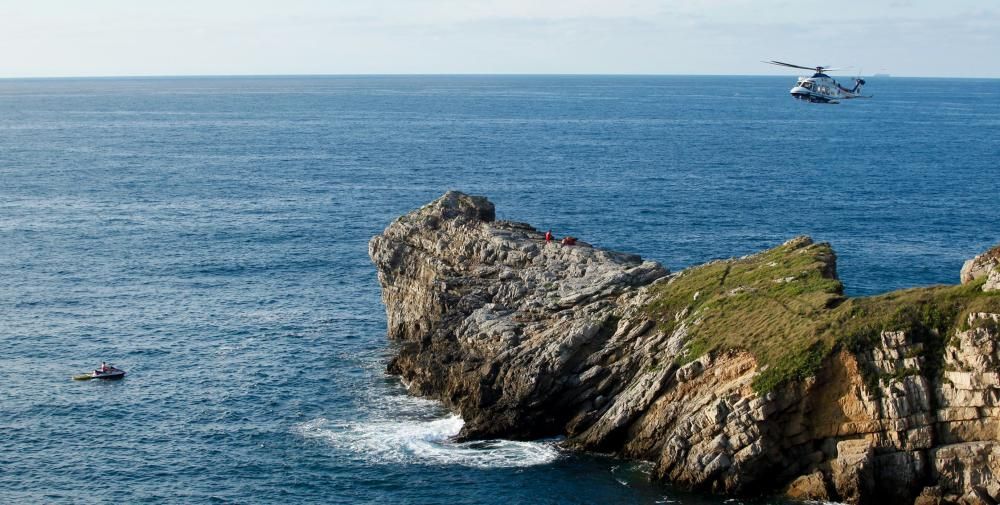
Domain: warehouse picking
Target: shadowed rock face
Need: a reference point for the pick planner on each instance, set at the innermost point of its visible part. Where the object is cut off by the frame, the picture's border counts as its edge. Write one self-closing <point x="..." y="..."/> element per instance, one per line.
<point x="529" y="339"/>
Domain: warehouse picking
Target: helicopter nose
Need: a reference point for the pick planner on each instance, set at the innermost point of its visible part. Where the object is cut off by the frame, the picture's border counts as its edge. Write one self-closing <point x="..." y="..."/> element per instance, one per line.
<point x="799" y="91"/>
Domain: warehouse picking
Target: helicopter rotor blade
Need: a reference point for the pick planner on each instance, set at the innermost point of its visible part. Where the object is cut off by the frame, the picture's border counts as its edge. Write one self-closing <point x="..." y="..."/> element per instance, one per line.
<point x="783" y="64"/>
<point x="819" y="68"/>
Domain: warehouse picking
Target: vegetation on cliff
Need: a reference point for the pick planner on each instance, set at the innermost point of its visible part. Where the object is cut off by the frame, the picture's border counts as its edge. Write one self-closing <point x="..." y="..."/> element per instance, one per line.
<point x="527" y="339"/>
<point x="786" y="307"/>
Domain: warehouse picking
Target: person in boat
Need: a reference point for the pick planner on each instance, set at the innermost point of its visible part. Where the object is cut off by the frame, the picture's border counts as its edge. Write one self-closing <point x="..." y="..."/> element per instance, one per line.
<point x="104" y="367"/>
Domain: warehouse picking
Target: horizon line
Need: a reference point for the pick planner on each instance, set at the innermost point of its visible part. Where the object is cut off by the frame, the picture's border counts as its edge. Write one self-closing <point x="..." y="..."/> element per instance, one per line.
<point x="467" y="74"/>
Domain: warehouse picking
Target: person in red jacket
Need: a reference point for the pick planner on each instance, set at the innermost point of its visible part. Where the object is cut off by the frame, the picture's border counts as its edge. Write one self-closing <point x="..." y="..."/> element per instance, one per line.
<point x="548" y="236"/>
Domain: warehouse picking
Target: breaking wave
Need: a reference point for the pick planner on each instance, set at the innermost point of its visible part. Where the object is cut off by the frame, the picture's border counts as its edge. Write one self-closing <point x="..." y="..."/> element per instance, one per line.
<point x="426" y="442"/>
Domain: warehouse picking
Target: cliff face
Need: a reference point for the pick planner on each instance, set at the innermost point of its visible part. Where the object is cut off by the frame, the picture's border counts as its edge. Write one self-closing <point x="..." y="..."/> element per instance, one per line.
<point x="741" y="376"/>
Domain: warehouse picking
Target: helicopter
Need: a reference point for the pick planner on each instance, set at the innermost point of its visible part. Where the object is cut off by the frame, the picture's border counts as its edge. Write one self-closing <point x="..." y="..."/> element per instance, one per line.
<point x="821" y="88"/>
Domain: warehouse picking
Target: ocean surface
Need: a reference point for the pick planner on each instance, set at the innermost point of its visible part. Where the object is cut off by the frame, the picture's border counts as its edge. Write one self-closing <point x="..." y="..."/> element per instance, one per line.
<point x="209" y="235"/>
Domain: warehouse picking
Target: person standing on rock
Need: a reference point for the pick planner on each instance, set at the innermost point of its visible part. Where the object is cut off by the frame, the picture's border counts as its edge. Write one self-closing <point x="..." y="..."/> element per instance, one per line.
<point x="548" y="236"/>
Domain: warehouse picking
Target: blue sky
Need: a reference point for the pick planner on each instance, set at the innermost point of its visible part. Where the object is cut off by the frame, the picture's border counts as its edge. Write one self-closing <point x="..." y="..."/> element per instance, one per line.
<point x="181" y="37"/>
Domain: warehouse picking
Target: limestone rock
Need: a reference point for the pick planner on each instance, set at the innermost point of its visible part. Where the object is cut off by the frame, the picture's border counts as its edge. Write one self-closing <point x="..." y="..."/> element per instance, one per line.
<point x="971" y="467"/>
<point x="529" y="339"/>
<point x="992" y="281"/>
<point x="493" y="319"/>
<point x="981" y="266"/>
<point x="931" y="495"/>
<point x="811" y="487"/>
<point x="853" y="470"/>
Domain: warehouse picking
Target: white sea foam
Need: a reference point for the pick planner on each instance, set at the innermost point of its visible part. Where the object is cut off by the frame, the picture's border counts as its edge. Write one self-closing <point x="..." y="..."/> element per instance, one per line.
<point x="425" y="442"/>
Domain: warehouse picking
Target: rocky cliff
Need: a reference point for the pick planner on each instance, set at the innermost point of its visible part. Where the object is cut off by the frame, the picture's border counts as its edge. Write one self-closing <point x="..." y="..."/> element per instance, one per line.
<point x="751" y="375"/>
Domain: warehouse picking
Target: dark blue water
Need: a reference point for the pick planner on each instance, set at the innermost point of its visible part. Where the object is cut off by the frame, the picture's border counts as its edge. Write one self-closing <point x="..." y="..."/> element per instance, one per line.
<point x="209" y="236"/>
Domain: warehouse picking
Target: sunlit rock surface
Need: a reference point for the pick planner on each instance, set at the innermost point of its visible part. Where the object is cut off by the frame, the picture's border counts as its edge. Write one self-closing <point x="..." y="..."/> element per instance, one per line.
<point x="899" y="402"/>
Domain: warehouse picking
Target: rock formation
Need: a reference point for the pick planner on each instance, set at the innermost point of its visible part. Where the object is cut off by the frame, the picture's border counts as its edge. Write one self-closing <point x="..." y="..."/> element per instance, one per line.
<point x="751" y="375"/>
<point x="985" y="265"/>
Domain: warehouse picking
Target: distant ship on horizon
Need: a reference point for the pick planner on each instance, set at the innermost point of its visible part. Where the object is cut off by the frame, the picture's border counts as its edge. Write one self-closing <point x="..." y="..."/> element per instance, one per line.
<point x="884" y="76"/>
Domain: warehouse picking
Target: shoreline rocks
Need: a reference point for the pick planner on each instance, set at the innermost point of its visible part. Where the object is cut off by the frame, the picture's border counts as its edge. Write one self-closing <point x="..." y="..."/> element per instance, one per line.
<point x="527" y="338"/>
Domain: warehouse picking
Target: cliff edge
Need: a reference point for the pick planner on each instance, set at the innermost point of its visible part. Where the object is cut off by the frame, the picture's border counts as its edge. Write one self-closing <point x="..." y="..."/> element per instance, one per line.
<point x="750" y="375"/>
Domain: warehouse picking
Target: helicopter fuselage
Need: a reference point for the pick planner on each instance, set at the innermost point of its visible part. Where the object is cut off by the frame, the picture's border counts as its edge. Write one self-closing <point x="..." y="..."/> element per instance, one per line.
<point x="821" y="88"/>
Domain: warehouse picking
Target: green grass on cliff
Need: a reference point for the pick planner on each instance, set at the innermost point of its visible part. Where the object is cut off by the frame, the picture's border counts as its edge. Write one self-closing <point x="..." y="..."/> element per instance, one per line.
<point x="786" y="307"/>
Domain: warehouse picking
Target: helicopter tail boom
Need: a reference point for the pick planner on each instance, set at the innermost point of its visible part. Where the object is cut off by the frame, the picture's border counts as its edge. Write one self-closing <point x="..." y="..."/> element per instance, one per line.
<point x="856" y="90"/>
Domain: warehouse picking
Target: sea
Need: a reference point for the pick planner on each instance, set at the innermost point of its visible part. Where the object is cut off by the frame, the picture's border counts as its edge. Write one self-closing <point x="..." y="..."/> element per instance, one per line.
<point x="209" y="236"/>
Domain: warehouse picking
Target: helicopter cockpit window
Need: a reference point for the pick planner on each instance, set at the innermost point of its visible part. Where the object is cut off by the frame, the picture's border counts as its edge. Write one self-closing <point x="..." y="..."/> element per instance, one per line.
<point x="807" y="85"/>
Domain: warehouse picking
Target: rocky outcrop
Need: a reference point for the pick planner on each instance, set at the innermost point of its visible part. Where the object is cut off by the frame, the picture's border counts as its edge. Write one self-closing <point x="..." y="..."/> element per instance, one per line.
<point x="497" y="322"/>
<point x="985" y="265"/>
<point x="992" y="281"/>
<point x="751" y="375"/>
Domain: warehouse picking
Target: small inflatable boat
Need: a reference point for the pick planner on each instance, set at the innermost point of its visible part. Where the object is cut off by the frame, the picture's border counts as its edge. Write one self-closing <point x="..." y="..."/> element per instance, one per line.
<point x="109" y="372"/>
